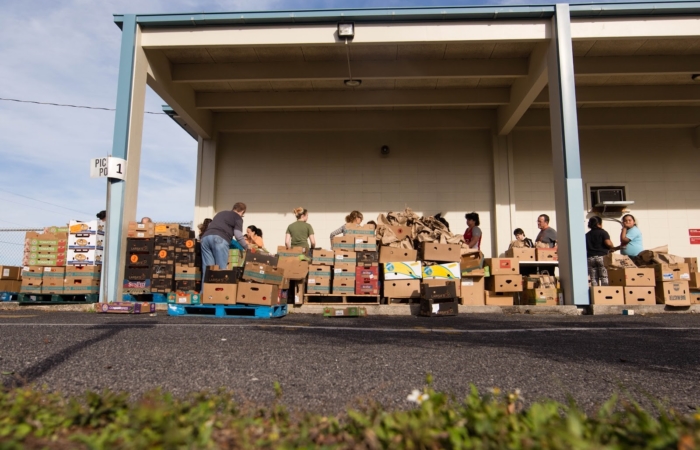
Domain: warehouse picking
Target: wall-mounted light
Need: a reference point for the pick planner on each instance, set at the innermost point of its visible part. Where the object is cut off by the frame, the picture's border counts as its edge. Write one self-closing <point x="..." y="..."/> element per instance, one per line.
<point x="352" y="83"/>
<point x="346" y="30"/>
<point x="696" y="77"/>
<point x="385" y="150"/>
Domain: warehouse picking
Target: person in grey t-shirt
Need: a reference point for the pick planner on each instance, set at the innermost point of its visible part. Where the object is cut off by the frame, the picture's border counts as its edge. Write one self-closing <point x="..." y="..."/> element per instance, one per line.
<point x="548" y="235"/>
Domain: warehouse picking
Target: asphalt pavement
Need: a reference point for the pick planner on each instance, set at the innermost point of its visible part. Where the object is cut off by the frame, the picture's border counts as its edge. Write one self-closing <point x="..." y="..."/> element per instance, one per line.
<point x="327" y="364"/>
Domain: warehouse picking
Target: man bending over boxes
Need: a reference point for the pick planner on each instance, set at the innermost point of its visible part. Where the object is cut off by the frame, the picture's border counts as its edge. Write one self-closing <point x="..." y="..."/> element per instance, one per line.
<point x="216" y="239"/>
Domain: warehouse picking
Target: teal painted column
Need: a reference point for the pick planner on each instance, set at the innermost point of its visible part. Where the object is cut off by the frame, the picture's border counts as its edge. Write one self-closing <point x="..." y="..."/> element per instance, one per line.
<point x="122" y="121"/>
<point x="566" y="159"/>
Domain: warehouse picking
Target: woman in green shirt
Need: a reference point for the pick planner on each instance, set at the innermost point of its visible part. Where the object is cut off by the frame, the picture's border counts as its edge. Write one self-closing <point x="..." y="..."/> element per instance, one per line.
<point x="300" y="233"/>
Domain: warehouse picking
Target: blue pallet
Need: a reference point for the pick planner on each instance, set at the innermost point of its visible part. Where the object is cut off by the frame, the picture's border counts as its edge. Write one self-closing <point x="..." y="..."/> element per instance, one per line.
<point x="8" y="296"/>
<point x="228" y="311"/>
<point x="155" y="298"/>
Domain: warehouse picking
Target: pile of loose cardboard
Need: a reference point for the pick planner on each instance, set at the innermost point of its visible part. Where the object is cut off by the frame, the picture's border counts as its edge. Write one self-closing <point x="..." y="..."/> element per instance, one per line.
<point x="406" y="229"/>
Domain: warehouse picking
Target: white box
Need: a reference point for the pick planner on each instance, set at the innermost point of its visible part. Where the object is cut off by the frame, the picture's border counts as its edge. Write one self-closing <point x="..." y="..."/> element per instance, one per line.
<point x="89" y="241"/>
<point x="404" y="270"/>
<point x="84" y="257"/>
<point x="445" y="271"/>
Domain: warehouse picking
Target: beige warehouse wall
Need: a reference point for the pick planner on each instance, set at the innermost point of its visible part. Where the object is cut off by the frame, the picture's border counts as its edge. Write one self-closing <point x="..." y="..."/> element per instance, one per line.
<point x="332" y="173"/>
<point x="659" y="167"/>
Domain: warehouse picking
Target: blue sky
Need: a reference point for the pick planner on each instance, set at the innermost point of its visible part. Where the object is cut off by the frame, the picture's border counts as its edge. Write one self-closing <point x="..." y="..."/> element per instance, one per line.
<point x="68" y="52"/>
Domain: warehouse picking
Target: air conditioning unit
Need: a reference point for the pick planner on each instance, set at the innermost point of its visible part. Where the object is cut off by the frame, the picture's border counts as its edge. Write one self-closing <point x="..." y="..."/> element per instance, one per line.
<point x="610" y="195"/>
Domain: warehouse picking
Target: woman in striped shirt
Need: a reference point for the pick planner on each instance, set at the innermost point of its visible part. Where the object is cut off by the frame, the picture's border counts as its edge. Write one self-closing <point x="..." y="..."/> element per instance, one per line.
<point x="354" y="217"/>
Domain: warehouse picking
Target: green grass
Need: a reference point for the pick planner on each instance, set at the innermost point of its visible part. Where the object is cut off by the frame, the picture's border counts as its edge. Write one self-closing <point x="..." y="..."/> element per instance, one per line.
<point x="31" y="418"/>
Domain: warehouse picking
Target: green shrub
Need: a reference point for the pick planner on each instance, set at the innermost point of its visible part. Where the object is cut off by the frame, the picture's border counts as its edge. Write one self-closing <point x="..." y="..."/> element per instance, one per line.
<point x="31" y="418"/>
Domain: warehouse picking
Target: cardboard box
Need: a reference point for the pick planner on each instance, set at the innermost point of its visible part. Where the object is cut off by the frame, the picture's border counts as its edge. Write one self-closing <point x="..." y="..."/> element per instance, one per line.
<point x="640" y="295"/>
<point x="367" y="258"/>
<point x="391" y="254"/>
<point x="505" y="283"/>
<point x="86" y="241"/>
<point x="402" y="289"/>
<point x="293" y="252"/>
<point x="10" y="285"/>
<point x="52" y="285"/>
<point x="84" y="257"/>
<point x="91" y="227"/>
<point x="695" y="297"/>
<point x="320" y="257"/>
<point x="446" y="291"/>
<point x="164" y="255"/>
<point x="261" y="258"/>
<point x="444" y="271"/>
<point x="616" y="260"/>
<point x="692" y="264"/>
<point x="188" y="273"/>
<point x="353" y="229"/>
<point x="170" y="229"/>
<point x="10" y="273"/>
<point x="503" y="266"/>
<point x="137" y="284"/>
<point x="127" y="308"/>
<point x="541" y="296"/>
<point x="402" y="270"/>
<point x="499" y="298"/>
<point x="673" y="293"/>
<point x="521" y="254"/>
<point x="29" y="272"/>
<point x="219" y="294"/>
<point x="344" y="272"/>
<point x="46" y="239"/>
<point x="162" y="285"/>
<point x="262" y="273"/>
<point x="607" y="295"/>
<point x="672" y="272"/>
<point x="163" y="271"/>
<point x="320" y="271"/>
<point x="432" y="251"/>
<point x="430" y="308"/>
<point x="188" y="285"/>
<point x="80" y="286"/>
<point x="214" y="275"/>
<point x="345" y="256"/>
<point x="631" y="277"/>
<point x="343" y="242"/>
<point x="366" y="274"/>
<point x="294" y="268"/>
<point x="472" y="291"/>
<point x="53" y="272"/>
<point x="344" y="287"/>
<point x="84" y="272"/>
<point x="318" y="285"/>
<point x="440" y="282"/>
<point x="367" y="288"/>
<point x="186" y="298"/>
<point x="547" y="254"/>
<point x="296" y="292"/>
<point x="260" y="294"/>
<point x="139" y="245"/>
<point x="365" y="243"/>
<point x="694" y="282"/>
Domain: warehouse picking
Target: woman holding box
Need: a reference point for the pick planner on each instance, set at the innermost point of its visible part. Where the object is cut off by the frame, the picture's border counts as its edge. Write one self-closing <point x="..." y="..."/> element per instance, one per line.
<point x="300" y="233"/>
<point x="354" y="217"/>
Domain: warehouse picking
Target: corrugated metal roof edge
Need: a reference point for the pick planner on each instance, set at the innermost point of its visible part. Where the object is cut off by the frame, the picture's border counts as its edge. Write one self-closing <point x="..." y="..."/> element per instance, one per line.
<point x="412" y="14"/>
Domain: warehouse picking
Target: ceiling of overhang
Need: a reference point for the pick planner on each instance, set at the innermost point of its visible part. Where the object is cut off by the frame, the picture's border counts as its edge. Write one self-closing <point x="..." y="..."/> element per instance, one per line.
<point x="508" y="52"/>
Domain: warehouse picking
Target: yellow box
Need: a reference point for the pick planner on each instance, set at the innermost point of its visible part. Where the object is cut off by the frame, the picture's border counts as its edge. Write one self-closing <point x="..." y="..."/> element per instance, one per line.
<point x="444" y="271"/>
<point x="404" y="270"/>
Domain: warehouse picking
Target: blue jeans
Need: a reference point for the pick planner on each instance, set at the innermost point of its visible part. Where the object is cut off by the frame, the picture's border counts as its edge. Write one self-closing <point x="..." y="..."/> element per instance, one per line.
<point x="214" y="252"/>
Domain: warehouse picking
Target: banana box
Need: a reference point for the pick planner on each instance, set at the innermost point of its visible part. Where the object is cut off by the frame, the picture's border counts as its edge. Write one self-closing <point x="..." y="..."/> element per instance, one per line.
<point x="446" y="271"/>
<point x="404" y="270"/>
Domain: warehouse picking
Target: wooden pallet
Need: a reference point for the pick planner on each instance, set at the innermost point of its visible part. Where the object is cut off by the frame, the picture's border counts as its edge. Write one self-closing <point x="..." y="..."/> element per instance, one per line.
<point x="338" y="299"/>
<point x="402" y="301"/>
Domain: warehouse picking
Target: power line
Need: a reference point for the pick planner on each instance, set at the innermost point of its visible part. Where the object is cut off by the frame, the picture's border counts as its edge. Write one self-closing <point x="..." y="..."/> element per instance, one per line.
<point x="71" y="106"/>
<point x="32" y="206"/>
<point x="10" y="243"/>
<point x="13" y="223"/>
<point x="41" y="201"/>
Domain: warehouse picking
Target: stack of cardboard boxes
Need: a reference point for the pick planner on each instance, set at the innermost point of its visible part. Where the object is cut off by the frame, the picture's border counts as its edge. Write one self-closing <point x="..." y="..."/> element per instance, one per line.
<point x="84" y="265"/>
<point x="439" y="300"/>
<point x="504" y="282"/>
<point x="296" y="268"/>
<point x="402" y="273"/>
<point x="138" y="263"/>
<point x="10" y="279"/>
<point x="47" y="249"/>
<point x="694" y="283"/>
<point x="163" y="267"/>
<point x="672" y="284"/>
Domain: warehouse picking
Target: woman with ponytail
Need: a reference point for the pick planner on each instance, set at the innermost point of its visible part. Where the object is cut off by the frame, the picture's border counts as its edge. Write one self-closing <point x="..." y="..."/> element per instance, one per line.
<point x="300" y="233"/>
<point x="354" y="217"/>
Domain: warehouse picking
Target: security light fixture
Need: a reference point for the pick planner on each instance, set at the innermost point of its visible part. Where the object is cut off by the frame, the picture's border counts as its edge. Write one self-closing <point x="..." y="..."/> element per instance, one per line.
<point x="346" y="30"/>
<point x="696" y="77"/>
<point x="352" y="83"/>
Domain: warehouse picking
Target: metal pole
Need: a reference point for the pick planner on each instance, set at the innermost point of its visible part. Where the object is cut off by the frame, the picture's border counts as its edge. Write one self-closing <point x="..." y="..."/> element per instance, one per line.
<point x="105" y="292"/>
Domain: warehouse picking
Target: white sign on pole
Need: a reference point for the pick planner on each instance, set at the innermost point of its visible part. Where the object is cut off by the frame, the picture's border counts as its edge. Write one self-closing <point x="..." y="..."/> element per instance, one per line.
<point x="108" y="167"/>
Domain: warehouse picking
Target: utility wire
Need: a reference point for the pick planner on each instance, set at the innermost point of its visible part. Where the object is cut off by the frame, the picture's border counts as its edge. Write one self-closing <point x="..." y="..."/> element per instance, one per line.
<point x="70" y="106"/>
<point x="10" y="243"/>
<point x="32" y="206"/>
<point x="41" y="201"/>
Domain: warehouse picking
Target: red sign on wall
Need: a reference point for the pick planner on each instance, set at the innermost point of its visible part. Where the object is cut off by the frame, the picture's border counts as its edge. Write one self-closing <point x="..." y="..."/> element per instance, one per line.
<point x="695" y="240"/>
<point x="695" y="232"/>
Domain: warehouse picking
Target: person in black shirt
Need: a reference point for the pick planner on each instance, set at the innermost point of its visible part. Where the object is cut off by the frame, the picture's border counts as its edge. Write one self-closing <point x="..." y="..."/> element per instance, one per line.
<point x="598" y="244"/>
<point x="218" y="234"/>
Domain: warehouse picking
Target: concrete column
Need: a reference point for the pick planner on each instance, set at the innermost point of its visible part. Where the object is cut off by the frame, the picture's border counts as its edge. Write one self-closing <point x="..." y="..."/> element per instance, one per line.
<point x="568" y="186"/>
<point x="503" y="194"/>
<point x="128" y="131"/>
<point x="206" y="180"/>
